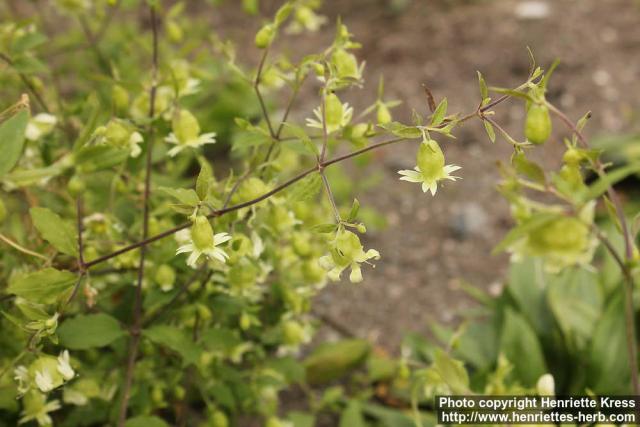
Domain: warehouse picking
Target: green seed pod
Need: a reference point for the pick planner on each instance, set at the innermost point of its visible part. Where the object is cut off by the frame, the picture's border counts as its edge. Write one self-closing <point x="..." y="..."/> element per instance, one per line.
<point x="430" y="159"/>
<point x="293" y="332"/>
<point x="185" y="126"/>
<point x="245" y="321"/>
<point x="538" y="124"/>
<point x="202" y="233"/>
<point x="348" y="244"/>
<point x="572" y="157"/>
<point x="76" y="186"/>
<point x="346" y="64"/>
<point x="3" y="212"/>
<point x="165" y="276"/>
<point x="265" y="36"/>
<point x="120" y="98"/>
<point x="117" y="134"/>
<point x="219" y="419"/>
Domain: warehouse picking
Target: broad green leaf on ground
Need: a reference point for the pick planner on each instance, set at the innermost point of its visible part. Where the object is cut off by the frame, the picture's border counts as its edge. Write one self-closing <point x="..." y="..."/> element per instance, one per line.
<point x="12" y="140"/>
<point x="520" y="345"/>
<point x="330" y="361"/>
<point x="608" y="363"/>
<point x="55" y="231"/>
<point x="44" y="286"/>
<point x="452" y="372"/>
<point x="93" y="330"/>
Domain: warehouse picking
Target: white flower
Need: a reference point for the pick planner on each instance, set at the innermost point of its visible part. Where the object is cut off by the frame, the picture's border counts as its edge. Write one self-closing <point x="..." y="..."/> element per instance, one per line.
<point x="37" y="408"/>
<point x="546" y="385"/>
<point x="21" y="375"/>
<point x="64" y="367"/>
<point x="40" y="125"/>
<point x="44" y="381"/>
<point x="186" y="133"/>
<point x="204" y="242"/>
<point x="205" y="138"/>
<point x="134" y="144"/>
<point x="430" y="169"/>
<point x="338" y="114"/>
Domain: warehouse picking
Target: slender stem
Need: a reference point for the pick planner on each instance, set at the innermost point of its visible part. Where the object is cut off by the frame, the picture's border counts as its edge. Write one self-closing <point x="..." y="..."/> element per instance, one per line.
<point x="628" y="284"/>
<point x="332" y="200"/>
<point x="325" y="133"/>
<point x="81" y="266"/>
<point x="256" y="88"/>
<point x="21" y="248"/>
<point x="135" y="332"/>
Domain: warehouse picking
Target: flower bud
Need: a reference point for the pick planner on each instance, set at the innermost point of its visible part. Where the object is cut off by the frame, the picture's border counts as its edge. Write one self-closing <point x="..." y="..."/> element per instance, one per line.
<point x="293" y="332"/>
<point x="76" y="186"/>
<point x="120" y="98"/>
<point x="333" y="111"/>
<point x="202" y="233"/>
<point x="572" y="157"/>
<point x="265" y="36"/>
<point x="538" y="124"/>
<point x="117" y="134"/>
<point x="165" y="277"/>
<point x="174" y="32"/>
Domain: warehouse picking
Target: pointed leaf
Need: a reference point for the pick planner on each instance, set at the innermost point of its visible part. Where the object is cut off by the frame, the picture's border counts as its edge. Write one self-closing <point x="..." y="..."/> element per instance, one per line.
<point x="12" y="140"/>
<point x="44" y="286"/>
<point x="90" y="331"/>
<point x="54" y="230"/>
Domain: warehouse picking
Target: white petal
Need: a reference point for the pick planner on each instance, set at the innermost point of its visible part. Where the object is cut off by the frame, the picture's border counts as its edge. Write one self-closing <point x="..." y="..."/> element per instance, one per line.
<point x="185" y="248"/>
<point x="221" y="238"/>
<point x="193" y="258"/>
<point x="172" y="139"/>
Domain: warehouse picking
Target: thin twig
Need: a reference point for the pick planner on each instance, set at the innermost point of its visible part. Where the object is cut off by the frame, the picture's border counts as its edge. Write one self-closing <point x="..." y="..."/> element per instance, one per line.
<point x="137" y="309"/>
<point x="25" y="80"/>
<point x="256" y="88"/>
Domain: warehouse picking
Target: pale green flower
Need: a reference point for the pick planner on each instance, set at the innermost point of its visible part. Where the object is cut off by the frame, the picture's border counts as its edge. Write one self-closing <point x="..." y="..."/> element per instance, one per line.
<point x="186" y="133"/>
<point x="338" y="114"/>
<point x="430" y="167"/>
<point x="204" y="242"/>
<point x="64" y="366"/>
<point x="346" y="252"/>
<point x="36" y="408"/>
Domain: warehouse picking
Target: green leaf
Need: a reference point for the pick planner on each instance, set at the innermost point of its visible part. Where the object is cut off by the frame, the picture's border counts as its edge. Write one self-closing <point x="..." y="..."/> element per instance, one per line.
<point x="204" y="181"/>
<point x="175" y="339"/>
<point x="355" y="208"/>
<point x="488" y="127"/>
<point x="440" y="113"/>
<point x="352" y="415"/>
<point x="330" y="361"/>
<point x="523" y="229"/>
<point x="44" y="286"/>
<point x="145" y="421"/>
<point x="185" y="196"/>
<point x="608" y="363"/>
<point x="484" y="91"/>
<point x="601" y="185"/>
<point x="306" y="189"/>
<point x="12" y="140"/>
<point x="521" y="347"/>
<point x="54" y="230"/>
<point x="89" y="331"/>
<point x="528" y="168"/>
<point x="403" y="131"/>
<point x="301" y="419"/>
<point x="452" y="372"/>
